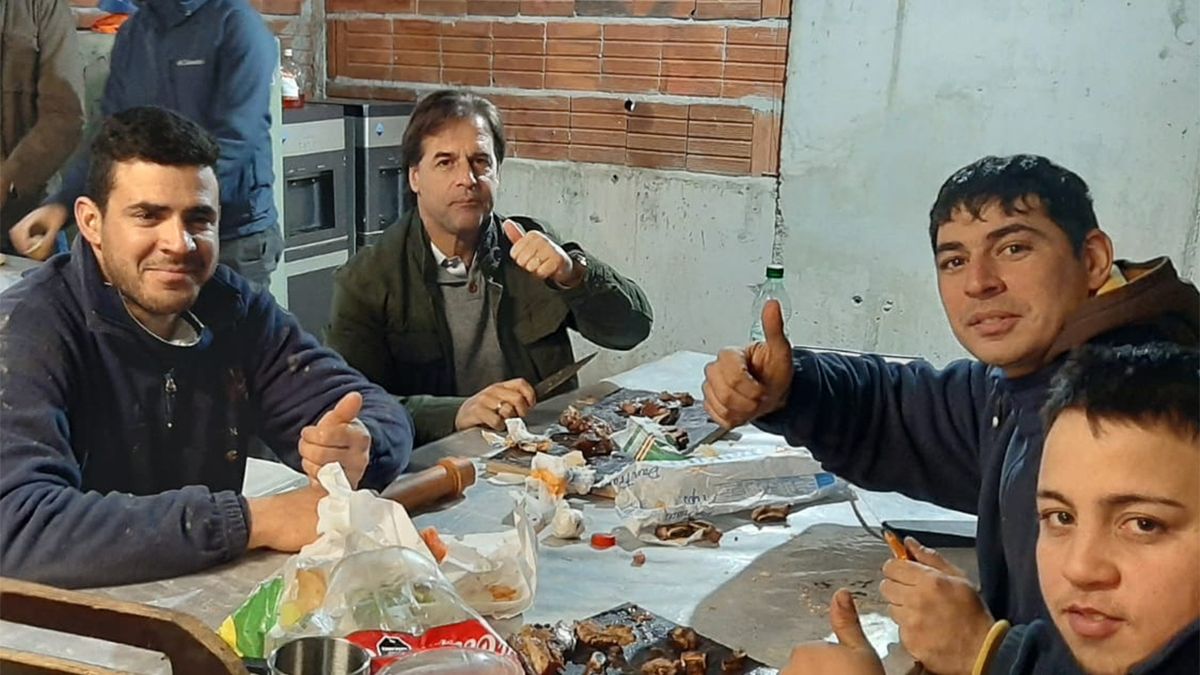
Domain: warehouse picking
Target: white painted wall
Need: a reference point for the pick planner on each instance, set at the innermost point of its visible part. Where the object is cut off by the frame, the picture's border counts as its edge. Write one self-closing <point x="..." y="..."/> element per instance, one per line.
<point x="692" y="242"/>
<point x="886" y="99"/>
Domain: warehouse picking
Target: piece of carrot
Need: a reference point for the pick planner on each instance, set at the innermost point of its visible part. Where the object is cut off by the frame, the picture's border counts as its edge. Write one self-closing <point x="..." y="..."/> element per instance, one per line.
<point x="436" y="546"/>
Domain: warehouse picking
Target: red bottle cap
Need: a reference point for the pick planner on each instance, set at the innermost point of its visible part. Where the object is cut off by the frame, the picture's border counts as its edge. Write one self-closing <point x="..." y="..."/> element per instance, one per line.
<point x="601" y="541"/>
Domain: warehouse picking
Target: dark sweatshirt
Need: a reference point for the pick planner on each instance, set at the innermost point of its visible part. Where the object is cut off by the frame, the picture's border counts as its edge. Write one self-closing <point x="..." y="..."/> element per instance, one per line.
<point x="1038" y="649"/>
<point x="123" y="456"/>
<point x="966" y="437"/>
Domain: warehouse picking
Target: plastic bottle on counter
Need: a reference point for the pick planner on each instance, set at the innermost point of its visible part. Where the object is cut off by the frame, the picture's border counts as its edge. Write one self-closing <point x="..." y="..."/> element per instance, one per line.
<point x="771" y="288"/>
<point x="291" y="81"/>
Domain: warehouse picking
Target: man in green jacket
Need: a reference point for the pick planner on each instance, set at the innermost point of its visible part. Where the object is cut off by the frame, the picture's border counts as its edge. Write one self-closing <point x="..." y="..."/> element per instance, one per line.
<point x="457" y="309"/>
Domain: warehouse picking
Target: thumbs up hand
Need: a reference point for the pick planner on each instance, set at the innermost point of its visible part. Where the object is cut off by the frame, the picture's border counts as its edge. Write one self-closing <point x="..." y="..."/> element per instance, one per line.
<point x="852" y="655"/>
<point x="339" y="437"/>
<point x="538" y="255"/>
<point x="743" y="384"/>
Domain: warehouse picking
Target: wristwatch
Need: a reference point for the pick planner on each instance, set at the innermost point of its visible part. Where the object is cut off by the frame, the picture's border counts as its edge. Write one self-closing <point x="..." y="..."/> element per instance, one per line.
<point x="581" y="260"/>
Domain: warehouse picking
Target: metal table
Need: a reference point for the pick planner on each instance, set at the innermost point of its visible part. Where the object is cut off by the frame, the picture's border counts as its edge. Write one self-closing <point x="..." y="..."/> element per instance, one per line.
<point x="13" y="268"/>
<point x="763" y="590"/>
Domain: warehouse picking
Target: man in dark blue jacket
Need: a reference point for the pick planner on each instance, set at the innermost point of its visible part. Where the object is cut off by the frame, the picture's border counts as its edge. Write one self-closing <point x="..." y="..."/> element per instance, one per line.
<point x="1025" y="274"/>
<point x="135" y="370"/>
<point x="212" y="62"/>
<point x="1118" y="504"/>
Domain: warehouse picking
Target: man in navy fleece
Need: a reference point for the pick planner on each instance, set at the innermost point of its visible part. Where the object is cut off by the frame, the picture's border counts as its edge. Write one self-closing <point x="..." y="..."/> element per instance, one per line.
<point x="1118" y="506"/>
<point x="212" y="62"/>
<point x="1025" y="274"/>
<point x="136" y="369"/>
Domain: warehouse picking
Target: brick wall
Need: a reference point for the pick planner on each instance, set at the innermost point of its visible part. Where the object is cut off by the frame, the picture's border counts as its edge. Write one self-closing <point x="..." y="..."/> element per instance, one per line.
<point x="693" y="85"/>
<point x="296" y="22"/>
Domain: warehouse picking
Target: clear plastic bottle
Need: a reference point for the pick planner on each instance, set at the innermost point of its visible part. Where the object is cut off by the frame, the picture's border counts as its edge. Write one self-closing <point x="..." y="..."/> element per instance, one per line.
<point x="291" y="81"/>
<point x="771" y="288"/>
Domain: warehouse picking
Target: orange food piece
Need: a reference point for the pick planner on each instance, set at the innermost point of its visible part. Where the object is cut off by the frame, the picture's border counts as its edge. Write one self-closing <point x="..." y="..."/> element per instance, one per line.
<point x="502" y="593"/>
<point x="556" y="485"/>
<point x="897" y="546"/>
<point x="109" y="24"/>
<point x="434" y="541"/>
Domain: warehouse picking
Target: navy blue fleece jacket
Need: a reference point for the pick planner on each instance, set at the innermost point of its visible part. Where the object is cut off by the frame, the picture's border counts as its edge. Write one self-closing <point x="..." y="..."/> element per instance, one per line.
<point x="123" y="456"/>
<point x="1038" y="649"/>
<point x="965" y="437"/>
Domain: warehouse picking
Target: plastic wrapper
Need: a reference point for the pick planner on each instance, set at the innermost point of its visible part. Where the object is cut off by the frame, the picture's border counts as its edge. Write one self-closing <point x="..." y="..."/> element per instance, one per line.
<point x="567" y="522"/>
<point x="644" y="440"/>
<point x="551" y="479"/>
<point x="649" y="494"/>
<point x="562" y="475"/>
<point x="393" y="602"/>
<point x="495" y="573"/>
<point x="517" y="436"/>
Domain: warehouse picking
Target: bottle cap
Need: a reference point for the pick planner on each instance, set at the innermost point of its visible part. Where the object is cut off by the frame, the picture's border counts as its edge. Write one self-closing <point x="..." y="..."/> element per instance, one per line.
<point x="774" y="271"/>
<point x="603" y="540"/>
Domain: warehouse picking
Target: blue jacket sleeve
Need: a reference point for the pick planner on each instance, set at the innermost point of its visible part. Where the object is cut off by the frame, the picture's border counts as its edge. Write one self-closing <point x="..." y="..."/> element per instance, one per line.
<point x="298" y="380"/>
<point x="51" y="530"/>
<point x="886" y="426"/>
<point x="240" y="116"/>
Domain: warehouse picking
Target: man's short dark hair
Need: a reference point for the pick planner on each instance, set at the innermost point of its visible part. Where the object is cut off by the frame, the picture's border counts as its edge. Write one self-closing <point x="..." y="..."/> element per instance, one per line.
<point x="150" y="134"/>
<point x="1009" y="181"/>
<point x="1147" y="385"/>
<point x="433" y="113"/>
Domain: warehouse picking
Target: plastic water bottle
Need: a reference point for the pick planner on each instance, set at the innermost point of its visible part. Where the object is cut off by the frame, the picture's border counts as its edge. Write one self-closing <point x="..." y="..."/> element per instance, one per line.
<point x="291" y="81"/>
<point x="770" y="289"/>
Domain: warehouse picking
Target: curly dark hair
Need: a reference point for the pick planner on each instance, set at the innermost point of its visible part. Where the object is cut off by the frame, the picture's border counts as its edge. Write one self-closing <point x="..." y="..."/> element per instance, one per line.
<point x="1155" y="384"/>
<point x="1010" y="181"/>
<point x="147" y="133"/>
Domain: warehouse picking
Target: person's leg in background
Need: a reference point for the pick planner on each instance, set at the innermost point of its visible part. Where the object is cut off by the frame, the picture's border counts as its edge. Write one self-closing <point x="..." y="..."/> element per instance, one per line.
<point x="254" y="256"/>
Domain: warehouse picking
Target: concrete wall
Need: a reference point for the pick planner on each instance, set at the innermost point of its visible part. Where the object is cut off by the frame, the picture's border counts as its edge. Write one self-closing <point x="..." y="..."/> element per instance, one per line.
<point x="886" y="99"/>
<point x="691" y="241"/>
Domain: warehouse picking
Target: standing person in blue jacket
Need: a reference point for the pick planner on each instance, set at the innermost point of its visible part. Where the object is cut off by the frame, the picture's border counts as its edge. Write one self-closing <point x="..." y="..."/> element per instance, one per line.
<point x="1025" y="274"/>
<point x="212" y="62"/>
<point x="1118" y="512"/>
<point x="136" y="369"/>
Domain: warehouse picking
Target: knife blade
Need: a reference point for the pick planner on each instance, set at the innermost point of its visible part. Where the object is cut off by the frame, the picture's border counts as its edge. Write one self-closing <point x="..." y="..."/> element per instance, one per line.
<point x="559" y="377"/>
<point x="713" y="436"/>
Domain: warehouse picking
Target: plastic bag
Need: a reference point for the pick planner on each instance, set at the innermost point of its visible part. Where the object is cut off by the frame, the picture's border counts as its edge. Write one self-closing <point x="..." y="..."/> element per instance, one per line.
<point x="656" y="493"/>
<point x="496" y="571"/>
<point x="393" y="601"/>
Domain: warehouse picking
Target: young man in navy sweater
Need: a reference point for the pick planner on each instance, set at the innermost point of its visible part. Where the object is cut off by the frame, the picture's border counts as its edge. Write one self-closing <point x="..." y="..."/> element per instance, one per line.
<point x="136" y="369"/>
<point x="1118" y="512"/>
<point x="1025" y="274"/>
